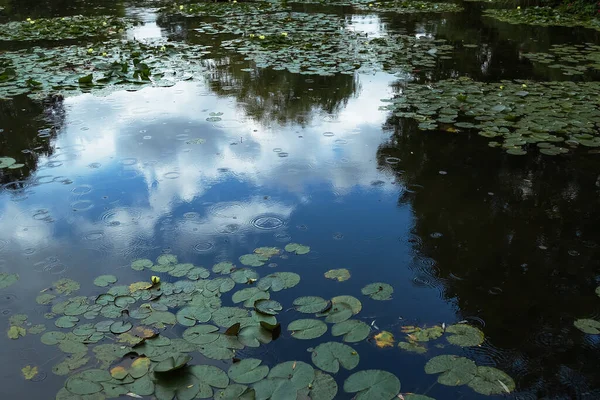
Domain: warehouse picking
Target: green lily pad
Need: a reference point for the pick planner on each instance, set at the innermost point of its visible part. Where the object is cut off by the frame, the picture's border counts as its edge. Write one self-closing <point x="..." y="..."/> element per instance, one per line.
<point x="372" y="384"/>
<point x="464" y="335"/>
<point x="589" y="326"/>
<point x="255" y="335"/>
<point x="52" y="338"/>
<point x="166" y="259"/>
<point x="253" y="260"/>
<point x="70" y="363"/>
<point x="352" y="330"/>
<point x="189" y="316"/>
<point x="141" y="264"/>
<point x="331" y="355"/>
<point x="172" y="363"/>
<point x="307" y="329"/>
<point x="339" y="275"/>
<point x="180" y="270"/>
<point x="222" y="284"/>
<point x="268" y="307"/>
<point x="210" y="375"/>
<point x="7" y="279"/>
<point x="413" y="347"/>
<point x="297" y="248"/>
<point x="198" y="273"/>
<point x="77" y="385"/>
<point x="339" y="312"/>
<point x="45" y="298"/>
<point x="378" y="291"/>
<point x="66" y="321"/>
<point x="244" y="275"/>
<point x="298" y="373"/>
<point x="311" y="304"/>
<point x="160" y="318"/>
<point x="36" y="329"/>
<point x="120" y="327"/>
<point x="454" y="370"/>
<point x="352" y="301"/>
<point x="249" y="296"/>
<point x="424" y="335"/>
<point x="247" y="371"/>
<point x="227" y="316"/>
<point x="201" y="334"/>
<point x="491" y="381"/>
<point x="224" y="267"/>
<point x="66" y="286"/>
<point x="15" y="332"/>
<point x="323" y="387"/>
<point x="279" y="281"/>
<point x="267" y="252"/>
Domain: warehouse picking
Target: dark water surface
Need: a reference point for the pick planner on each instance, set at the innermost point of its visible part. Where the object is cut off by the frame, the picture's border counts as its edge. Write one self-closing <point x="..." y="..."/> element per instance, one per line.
<point x="460" y="230"/>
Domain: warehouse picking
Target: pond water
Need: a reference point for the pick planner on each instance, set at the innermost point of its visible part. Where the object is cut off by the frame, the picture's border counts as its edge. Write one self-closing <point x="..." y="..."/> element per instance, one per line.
<point x="242" y="157"/>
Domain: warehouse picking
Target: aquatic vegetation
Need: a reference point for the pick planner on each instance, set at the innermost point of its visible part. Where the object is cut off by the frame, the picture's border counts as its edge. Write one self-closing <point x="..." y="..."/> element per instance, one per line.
<point x="7" y="279"/>
<point x="545" y="16"/>
<point x="63" y="28"/>
<point x="399" y="7"/>
<point x="589" y="326"/>
<point x="225" y="9"/>
<point x="571" y="59"/>
<point x="100" y="67"/>
<point x="142" y="357"/>
<point x="339" y="275"/>
<point x="555" y="117"/>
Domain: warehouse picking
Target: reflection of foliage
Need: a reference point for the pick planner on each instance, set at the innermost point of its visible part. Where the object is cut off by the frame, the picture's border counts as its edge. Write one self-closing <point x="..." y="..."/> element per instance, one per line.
<point x="267" y="95"/>
<point x="27" y="127"/>
<point x="544" y="16"/>
<point x="519" y="247"/>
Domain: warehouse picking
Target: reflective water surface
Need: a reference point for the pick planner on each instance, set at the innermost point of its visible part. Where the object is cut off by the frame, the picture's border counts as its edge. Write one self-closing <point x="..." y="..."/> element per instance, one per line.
<point x="210" y="170"/>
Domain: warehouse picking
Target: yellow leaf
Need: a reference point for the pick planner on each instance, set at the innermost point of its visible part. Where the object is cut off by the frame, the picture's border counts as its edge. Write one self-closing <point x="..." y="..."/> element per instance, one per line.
<point x="118" y="372"/>
<point x="29" y="372"/>
<point x="134" y="287"/>
<point x="384" y="339"/>
<point x="14" y="332"/>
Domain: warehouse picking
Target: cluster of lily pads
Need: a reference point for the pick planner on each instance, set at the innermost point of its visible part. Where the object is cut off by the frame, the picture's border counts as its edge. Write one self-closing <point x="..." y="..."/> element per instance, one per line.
<point x="552" y="116"/>
<point x="571" y="59"/>
<point x="321" y="44"/>
<point x="225" y="9"/>
<point x="110" y="64"/>
<point x="10" y="163"/>
<point x="545" y="16"/>
<point x="63" y="28"/>
<point x="132" y="352"/>
<point x="400" y="7"/>
<point x="588" y="325"/>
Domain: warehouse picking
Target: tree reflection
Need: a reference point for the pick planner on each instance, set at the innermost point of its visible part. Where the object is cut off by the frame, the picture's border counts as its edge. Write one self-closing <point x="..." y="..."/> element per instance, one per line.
<point x="518" y="247"/>
<point x="27" y="128"/>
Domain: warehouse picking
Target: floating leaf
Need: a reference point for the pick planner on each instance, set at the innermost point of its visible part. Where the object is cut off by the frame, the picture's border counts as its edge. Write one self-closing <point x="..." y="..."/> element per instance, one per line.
<point x="247" y="371"/>
<point x="384" y="339"/>
<point x="77" y="385"/>
<point x="250" y="296"/>
<point x="201" y="334"/>
<point x="329" y="356"/>
<point x="307" y="328"/>
<point x="298" y="373"/>
<point x="311" y="304"/>
<point x="189" y="316"/>
<point x="66" y="286"/>
<point x="378" y="291"/>
<point x="45" y="298"/>
<point x="172" y="363"/>
<point x="141" y="264"/>
<point x="66" y="321"/>
<point x="120" y="327"/>
<point x="70" y="363"/>
<point x="224" y="267"/>
<point x="454" y="370"/>
<point x="227" y="316"/>
<point x="490" y="381"/>
<point x="297" y="248"/>
<point x="267" y="252"/>
<point x="160" y="318"/>
<point x="340" y="275"/>
<point x="166" y="259"/>
<point x="422" y="334"/>
<point x="15" y="332"/>
<point x="105" y="280"/>
<point x="323" y="387"/>
<point x="464" y="335"/>
<point x="279" y="281"/>
<point x="52" y="338"/>
<point x="353" y="302"/>
<point x="136" y="286"/>
<point x="268" y="307"/>
<point x="412" y="347"/>
<point x="589" y="326"/>
<point x="253" y="260"/>
<point x="7" y="279"/>
<point x="352" y="330"/>
<point x="244" y="275"/>
<point x="372" y="384"/>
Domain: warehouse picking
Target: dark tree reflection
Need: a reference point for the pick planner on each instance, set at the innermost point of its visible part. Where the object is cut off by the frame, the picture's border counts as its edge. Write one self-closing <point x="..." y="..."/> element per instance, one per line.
<point x="519" y="248"/>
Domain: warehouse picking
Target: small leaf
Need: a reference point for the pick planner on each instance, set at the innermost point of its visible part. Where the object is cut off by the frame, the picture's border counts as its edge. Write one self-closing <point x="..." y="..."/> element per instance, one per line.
<point x="297" y="248"/>
<point x="29" y="372"/>
<point x="384" y="339"/>
<point x="307" y="328"/>
<point x="464" y="335"/>
<point x="340" y="275"/>
<point x="589" y="326"/>
<point x="491" y="381"/>
<point x="378" y="291"/>
<point x="7" y="280"/>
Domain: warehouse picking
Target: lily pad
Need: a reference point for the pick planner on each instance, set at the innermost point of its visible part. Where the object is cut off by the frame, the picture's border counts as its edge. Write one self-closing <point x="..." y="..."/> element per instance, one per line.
<point x="331" y="355"/>
<point x="66" y="321"/>
<point x="307" y="329"/>
<point x="352" y="330"/>
<point x="378" y="291"/>
<point x="120" y="327"/>
<point x="454" y="370"/>
<point x="339" y="312"/>
<point x="279" y="281"/>
<point x="66" y="286"/>
<point x="201" y="334"/>
<point x="413" y="347"/>
<point x="247" y="371"/>
<point x="268" y="307"/>
<point x="172" y="363"/>
<point x="491" y="381"/>
<point x="224" y="267"/>
<point x="297" y="248"/>
<point x="45" y="298"/>
<point x="77" y="385"/>
<point x="7" y="279"/>
<point x="339" y="275"/>
<point x="244" y="275"/>
<point x="189" y="316"/>
<point x="589" y="326"/>
<point x="227" y="316"/>
<point x="372" y="384"/>
<point x="250" y="296"/>
<point x="105" y="280"/>
<point x="311" y="304"/>
<point x="323" y="387"/>
<point x="384" y="339"/>
<point x="141" y="264"/>
<point x="464" y="335"/>
<point x="253" y="260"/>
